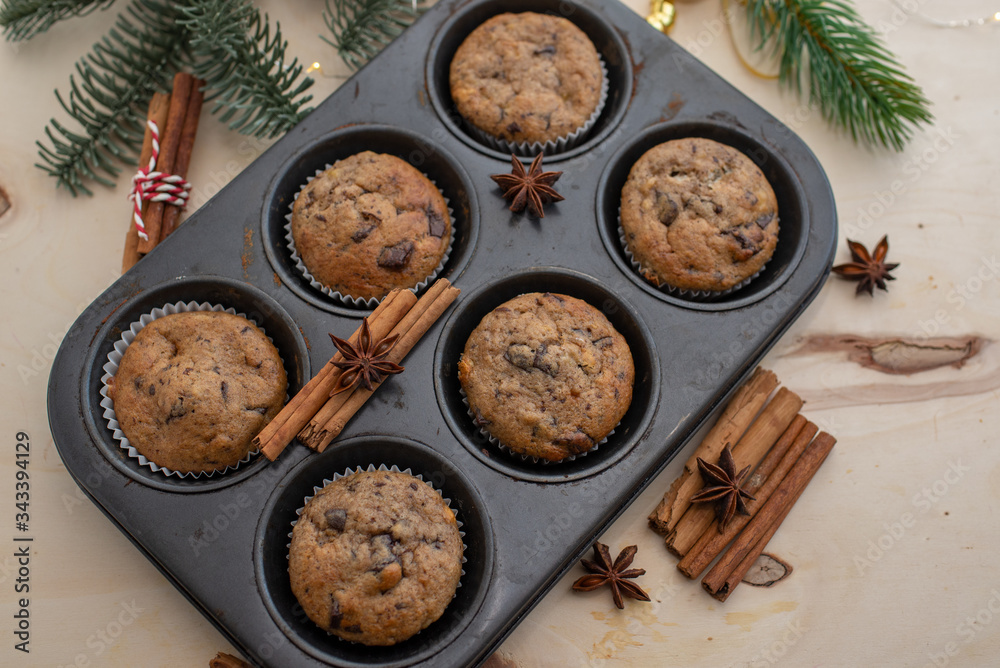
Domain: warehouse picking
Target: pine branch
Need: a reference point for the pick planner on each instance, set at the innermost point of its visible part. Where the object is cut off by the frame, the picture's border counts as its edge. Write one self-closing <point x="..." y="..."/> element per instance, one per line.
<point x="244" y="64"/>
<point x="116" y="80"/>
<point x="23" y="19"/>
<point x="362" y="28"/>
<point x="852" y="76"/>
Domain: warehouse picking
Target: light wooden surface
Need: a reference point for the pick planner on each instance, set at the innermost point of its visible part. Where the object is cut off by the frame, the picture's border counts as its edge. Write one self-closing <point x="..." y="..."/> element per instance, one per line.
<point x="894" y="544"/>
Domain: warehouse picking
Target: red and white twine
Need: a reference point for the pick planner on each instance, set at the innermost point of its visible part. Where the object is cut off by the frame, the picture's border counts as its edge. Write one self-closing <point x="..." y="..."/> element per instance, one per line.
<point x="152" y="186"/>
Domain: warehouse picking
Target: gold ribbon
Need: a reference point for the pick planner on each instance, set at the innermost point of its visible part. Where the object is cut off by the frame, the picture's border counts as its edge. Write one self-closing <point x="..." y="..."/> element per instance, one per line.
<point x="663" y="13"/>
<point x="729" y="15"/>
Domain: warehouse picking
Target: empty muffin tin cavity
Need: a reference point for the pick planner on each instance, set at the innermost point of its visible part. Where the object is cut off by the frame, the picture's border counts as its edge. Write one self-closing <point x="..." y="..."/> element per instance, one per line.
<point x="623" y="317"/>
<point x="609" y="44"/>
<point x="271" y="563"/>
<point x="426" y="156"/>
<point x="246" y="300"/>
<point x="793" y="210"/>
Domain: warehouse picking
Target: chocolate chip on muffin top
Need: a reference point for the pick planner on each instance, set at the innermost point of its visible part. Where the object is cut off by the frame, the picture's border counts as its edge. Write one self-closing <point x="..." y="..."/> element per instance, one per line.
<point x="547" y="375"/>
<point x="193" y="389"/>
<point x="527" y="77"/>
<point x="698" y="215"/>
<point x="375" y="557"/>
<point x="369" y="224"/>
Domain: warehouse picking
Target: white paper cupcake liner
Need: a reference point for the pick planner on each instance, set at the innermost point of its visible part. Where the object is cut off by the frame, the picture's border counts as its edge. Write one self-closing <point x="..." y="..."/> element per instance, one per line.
<point x="348" y="300"/>
<point x="693" y="295"/>
<point x="552" y="146"/>
<point x="111" y="368"/>
<point x="495" y="442"/>
<point x="372" y="468"/>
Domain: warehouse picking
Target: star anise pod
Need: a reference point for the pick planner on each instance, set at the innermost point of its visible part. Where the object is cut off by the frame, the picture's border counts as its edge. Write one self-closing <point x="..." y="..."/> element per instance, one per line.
<point x="532" y="188"/>
<point x="868" y="270"/>
<point x="365" y="364"/>
<point x="725" y="486"/>
<point x="616" y="574"/>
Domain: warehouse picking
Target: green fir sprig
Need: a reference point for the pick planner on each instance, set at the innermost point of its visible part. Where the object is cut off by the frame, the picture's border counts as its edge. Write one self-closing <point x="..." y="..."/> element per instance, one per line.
<point x="256" y="89"/>
<point x="851" y="75"/>
<point x="362" y="28"/>
<point x="137" y="57"/>
<point x="244" y="63"/>
<point x="23" y="19"/>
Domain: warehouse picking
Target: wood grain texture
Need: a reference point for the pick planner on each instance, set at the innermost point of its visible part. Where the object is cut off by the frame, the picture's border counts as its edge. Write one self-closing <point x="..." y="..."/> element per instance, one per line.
<point x="768" y="571"/>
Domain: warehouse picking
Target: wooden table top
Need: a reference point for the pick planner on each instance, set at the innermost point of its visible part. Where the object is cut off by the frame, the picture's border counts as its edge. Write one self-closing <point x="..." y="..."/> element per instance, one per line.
<point x="893" y="545"/>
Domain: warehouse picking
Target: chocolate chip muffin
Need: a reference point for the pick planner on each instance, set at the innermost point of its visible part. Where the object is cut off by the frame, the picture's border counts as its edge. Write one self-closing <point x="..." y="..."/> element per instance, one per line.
<point x="698" y="215"/>
<point x="547" y="375"/>
<point x="193" y="389"/>
<point x="375" y="557"/>
<point x="369" y="224"/>
<point x="527" y="78"/>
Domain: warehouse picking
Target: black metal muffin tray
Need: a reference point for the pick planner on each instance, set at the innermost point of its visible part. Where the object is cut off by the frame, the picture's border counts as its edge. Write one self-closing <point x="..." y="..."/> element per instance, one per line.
<point x="222" y="540"/>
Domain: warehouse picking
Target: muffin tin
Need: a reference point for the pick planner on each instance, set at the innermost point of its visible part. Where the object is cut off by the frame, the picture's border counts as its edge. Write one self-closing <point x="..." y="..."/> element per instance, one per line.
<point x="221" y="539"/>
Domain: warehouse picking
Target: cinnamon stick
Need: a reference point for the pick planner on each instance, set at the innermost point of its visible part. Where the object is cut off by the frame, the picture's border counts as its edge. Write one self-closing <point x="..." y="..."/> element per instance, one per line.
<point x="733" y="565"/>
<point x="188" y="132"/>
<point x="169" y="142"/>
<point x="159" y="104"/>
<point x="741" y="570"/>
<point x="762" y="484"/>
<point x="758" y="439"/>
<point x="310" y="433"/>
<point x="223" y="660"/>
<point x="428" y="310"/>
<point x="276" y="435"/>
<point x="741" y="410"/>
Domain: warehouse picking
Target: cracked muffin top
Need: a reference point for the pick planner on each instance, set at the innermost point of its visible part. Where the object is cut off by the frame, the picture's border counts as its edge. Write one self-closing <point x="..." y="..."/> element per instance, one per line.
<point x="698" y="215"/>
<point x="375" y="557"/>
<point x="193" y="389"/>
<point x="369" y="224"/>
<point x="547" y="375"/>
<point x="526" y="78"/>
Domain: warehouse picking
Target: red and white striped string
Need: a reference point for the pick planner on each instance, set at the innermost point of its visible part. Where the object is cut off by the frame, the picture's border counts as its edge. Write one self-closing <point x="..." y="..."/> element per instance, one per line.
<point x="151" y="186"/>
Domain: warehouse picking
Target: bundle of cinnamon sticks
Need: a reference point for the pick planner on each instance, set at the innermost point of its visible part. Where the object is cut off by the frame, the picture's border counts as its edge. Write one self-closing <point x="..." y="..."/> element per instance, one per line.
<point x="316" y="415"/>
<point x="785" y="452"/>
<point x="176" y="115"/>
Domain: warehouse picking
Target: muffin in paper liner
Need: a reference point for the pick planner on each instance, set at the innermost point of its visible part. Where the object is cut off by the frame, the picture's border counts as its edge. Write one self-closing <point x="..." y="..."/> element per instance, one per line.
<point x="552" y="146"/>
<point x="692" y="295"/>
<point x="348" y="300"/>
<point x="111" y="368"/>
<point x="494" y="441"/>
<point x="370" y="469"/>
